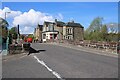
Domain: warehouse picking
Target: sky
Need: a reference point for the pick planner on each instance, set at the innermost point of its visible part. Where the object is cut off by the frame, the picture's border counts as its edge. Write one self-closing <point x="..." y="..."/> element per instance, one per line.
<point x="29" y="14"/>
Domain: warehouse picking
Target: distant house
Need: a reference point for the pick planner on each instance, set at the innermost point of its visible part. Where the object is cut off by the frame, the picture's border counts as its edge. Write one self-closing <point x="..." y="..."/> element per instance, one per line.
<point x="73" y="31"/>
<point x="59" y="30"/>
<point x="38" y="32"/>
<point x="49" y="33"/>
<point x="59" y="27"/>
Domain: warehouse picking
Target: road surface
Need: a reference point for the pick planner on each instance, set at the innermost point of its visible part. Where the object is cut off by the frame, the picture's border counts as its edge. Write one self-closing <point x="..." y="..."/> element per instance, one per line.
<point x="54" y="61"/>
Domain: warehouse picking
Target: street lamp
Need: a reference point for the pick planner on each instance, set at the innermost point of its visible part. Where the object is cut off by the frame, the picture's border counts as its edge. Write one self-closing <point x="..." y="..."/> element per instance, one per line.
<point x="6" y="14"/>
<point x="7" y="43"/>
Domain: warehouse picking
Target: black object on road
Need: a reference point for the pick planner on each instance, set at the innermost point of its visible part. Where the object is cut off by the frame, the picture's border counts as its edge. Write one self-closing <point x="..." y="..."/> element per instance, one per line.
<point x="32" y="50"/>
<point x="26" y="47"/>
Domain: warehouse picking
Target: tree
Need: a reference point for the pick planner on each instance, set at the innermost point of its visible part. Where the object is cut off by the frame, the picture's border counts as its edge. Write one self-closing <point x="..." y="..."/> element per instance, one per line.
<point x="96" y="24"/>
<point x="13" y="32"/>
<point x="10" y="39"/>
<point x="22" y="37"/>
<point x="3" y="28"/>
<point x="86" y="35"/>
<point x="113" y="31"/>
<point x="3" y="32"/>
<point x="30" y="36"/>
<point x="93" y="31"/>
<point x="104" y="32"/>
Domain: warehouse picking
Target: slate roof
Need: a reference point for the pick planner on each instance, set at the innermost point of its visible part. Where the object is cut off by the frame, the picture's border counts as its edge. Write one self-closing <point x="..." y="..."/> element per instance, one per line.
<point x="40" y="27"/>
<point x="48" y="22"/>
<point x="60" y="23"/>
<point x="71" y="24"/>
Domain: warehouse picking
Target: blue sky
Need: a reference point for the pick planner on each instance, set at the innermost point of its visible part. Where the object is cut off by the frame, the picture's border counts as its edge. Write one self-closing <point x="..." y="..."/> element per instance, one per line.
<point x="80" y="12"/>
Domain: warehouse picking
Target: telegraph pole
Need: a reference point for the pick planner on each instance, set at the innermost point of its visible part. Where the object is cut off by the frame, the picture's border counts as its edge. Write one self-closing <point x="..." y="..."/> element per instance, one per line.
<point x="7" y="42"/>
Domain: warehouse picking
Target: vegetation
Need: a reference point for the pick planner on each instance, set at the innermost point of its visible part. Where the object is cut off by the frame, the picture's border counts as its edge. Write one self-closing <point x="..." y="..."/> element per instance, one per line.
<point x="22" y="37"/>
<point x="99" y="32"/>
<point x="3" y="28"/>
<point x="31" y="36"/>
<point x="13" y="32"/>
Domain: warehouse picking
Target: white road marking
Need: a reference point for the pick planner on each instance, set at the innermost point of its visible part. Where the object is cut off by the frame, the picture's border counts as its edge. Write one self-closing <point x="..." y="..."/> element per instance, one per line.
<point x="49" y="69"/>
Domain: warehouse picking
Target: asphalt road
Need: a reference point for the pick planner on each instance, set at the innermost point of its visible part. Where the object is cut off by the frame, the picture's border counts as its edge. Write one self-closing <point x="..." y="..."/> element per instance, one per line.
<point x="54" y="61"/>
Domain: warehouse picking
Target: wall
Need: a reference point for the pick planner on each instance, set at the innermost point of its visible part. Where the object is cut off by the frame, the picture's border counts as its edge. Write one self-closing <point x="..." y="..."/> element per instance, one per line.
<point x="38" y="33"/>
<point x="78" y="33"/>
<point x="64" y="32"/>
<point x="60" y="29"/>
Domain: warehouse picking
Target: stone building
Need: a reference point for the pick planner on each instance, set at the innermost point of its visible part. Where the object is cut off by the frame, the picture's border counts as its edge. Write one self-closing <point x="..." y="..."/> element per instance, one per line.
<point x="73" y="31"/>
<point x="49" y="33"/>
<point x="38" y="32"/>
<point x="59" y="27"/>
<point x="59" y="30"/>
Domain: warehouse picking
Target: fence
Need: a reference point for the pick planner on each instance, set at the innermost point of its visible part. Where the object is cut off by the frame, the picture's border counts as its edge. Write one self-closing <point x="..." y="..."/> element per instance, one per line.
<point x="107" y="46"/>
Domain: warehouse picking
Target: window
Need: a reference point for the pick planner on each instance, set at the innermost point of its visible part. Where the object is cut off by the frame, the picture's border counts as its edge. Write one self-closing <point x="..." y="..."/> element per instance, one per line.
<point x="70" y="30"/>
<point x="68" y="37"/>
<point x="50" y="27"/>
<point x="44" y="36"/>
<point x="67" y="31"/>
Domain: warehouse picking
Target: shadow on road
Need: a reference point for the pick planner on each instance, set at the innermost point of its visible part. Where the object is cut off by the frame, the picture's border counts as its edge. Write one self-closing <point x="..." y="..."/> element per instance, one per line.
<point x="32" y="50"/>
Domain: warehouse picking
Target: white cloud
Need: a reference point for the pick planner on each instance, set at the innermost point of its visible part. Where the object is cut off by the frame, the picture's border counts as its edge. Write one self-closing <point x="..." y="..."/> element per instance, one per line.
<point x="28" y="20"/>
<point x="26" y="30"/>
<point x="32" y="18"/>
<point x="12" y="14"/>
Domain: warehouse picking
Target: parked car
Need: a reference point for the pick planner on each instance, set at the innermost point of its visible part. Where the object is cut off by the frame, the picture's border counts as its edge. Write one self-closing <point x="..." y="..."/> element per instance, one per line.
<point x="29" y="40"/>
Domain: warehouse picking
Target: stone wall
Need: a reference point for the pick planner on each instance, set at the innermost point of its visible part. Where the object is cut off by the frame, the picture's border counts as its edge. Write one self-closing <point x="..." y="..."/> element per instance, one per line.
<point x="78" y="33"/>
<point x="15" y="49"/>
<point x="38" y="34"/>
<point x="60" y="29"/>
